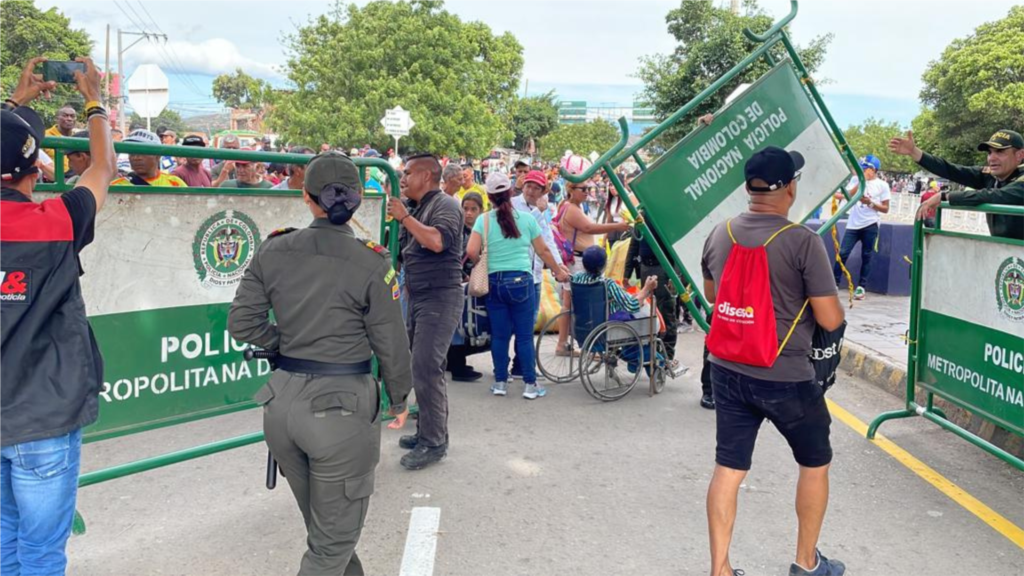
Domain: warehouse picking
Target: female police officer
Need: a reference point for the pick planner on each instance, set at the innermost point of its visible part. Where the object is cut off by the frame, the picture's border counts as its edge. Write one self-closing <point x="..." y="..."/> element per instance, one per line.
<point x="334" y="299"/>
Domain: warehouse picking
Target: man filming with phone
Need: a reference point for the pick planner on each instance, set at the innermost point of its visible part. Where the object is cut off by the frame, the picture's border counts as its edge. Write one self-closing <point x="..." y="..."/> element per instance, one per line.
<point x="50" y="365"/>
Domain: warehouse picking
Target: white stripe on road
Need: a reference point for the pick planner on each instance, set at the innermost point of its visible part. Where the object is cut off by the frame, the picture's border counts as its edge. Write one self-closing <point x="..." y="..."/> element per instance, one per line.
<point x="421" y="542"/>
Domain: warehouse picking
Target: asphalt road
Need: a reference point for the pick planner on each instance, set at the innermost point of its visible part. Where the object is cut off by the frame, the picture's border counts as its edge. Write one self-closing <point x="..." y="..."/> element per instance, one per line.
<point x="562" y="485"/>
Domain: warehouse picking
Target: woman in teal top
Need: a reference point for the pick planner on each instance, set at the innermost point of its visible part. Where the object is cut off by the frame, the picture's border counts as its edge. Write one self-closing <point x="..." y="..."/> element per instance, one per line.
<point x="510" y="236"/>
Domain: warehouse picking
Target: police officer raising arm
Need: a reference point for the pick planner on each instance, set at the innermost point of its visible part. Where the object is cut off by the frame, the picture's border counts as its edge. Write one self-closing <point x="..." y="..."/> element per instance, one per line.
<point x="335" y="298"/>
<point x="50" y="365"/>
<point x="1000" y="181"/>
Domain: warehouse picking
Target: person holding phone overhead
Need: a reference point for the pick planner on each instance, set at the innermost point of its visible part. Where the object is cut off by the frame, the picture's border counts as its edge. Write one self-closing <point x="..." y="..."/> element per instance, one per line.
<point x="50" y="365"/>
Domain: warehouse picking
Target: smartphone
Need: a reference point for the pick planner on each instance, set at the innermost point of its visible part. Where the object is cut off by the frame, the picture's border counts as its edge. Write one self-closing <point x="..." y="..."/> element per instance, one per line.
<point x="62" y="71"/>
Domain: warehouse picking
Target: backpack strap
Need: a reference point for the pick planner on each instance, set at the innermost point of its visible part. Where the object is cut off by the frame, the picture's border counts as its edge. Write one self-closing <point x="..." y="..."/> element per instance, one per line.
<point x="728" y="228"/>
<point x="795" y="322"/>
<point x="781" y="230"/>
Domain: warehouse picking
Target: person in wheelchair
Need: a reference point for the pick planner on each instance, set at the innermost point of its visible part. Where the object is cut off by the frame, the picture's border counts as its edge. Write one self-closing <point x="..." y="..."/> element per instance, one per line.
<point x="621" y="304"/>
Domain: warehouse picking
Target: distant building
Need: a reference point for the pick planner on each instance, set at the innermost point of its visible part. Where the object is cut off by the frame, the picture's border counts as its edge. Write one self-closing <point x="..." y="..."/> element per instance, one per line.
<point x="639" y="116"/>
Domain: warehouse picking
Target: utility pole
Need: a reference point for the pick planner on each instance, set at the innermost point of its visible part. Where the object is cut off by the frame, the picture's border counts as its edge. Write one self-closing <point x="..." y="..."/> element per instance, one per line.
<point x="120" y="69"/>
<point x="735" y="7"/>
<point x="106" y="68"/>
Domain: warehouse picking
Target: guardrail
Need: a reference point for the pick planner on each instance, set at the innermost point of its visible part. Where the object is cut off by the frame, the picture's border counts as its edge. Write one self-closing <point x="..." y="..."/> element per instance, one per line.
<point x="966" y="340"/>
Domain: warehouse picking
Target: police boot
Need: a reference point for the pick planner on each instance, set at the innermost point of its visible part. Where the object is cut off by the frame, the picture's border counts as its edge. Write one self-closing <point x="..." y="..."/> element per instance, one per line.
<point x="408" y="442"/>
<point x="423" y="456"/>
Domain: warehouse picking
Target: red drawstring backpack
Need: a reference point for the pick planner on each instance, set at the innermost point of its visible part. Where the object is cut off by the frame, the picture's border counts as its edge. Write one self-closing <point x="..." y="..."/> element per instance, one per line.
<point x="743" y="325"/>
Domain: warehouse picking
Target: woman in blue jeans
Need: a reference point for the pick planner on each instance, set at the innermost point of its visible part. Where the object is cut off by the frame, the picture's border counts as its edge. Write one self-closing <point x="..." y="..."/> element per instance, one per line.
<point x="507" y="235"/>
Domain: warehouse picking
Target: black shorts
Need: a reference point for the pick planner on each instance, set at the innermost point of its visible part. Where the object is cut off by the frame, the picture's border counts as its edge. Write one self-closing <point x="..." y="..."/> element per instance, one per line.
<point x="797" y="409"/>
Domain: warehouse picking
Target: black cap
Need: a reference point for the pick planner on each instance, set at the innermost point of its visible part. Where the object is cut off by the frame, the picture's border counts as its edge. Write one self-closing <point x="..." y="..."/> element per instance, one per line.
<point x="1001" y="140"/>
<point x="20" y="135"/>
<point x="594" y="259"/>
<point x="775" y="166"/>
<point x="193" y="140"/>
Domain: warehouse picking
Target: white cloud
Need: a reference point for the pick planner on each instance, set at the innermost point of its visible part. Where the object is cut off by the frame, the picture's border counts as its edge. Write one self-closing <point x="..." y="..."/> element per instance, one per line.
<point x="210" y="57"/>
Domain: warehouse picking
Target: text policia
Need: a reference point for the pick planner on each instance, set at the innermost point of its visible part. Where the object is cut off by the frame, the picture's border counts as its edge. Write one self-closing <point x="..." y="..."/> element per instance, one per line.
<point x="752" y="126"/>
<point x="217" y="360"/>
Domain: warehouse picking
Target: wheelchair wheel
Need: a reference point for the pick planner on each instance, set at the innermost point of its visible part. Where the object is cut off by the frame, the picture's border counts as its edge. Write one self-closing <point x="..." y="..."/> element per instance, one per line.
<point x="660" y="370"/>
<point x="611" y="362"/>
<point x="557" y="369"/>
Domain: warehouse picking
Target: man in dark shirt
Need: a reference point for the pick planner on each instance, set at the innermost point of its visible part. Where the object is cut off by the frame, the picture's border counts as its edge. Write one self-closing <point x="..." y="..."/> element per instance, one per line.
<point x="50" y="365"/>
<point x="431" y="243"/>
<point x="1000" y="181"/>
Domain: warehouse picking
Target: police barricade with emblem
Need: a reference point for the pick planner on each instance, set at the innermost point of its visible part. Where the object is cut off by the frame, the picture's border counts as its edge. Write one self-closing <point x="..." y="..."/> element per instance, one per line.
<point x="159" y="280"/>
<point x="966" y="337"/>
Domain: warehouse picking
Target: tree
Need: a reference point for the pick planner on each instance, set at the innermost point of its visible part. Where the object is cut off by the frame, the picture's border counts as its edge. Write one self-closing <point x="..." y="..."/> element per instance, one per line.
<point x="533" y="118"/>
<point x="711" y="42"/>
<point x="239" y="90"/>
<point x="27" y="32"/>
<point x="168" y="118"/>
<point x="597" y="136"/>
<point x="975" y="88"/>
<point x="872" y="137"/>
<point x="457" y="79"/>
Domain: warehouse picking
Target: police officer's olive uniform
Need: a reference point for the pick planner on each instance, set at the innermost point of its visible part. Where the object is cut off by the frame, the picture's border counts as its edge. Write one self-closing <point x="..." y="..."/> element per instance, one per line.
<point x="334" y="298"/>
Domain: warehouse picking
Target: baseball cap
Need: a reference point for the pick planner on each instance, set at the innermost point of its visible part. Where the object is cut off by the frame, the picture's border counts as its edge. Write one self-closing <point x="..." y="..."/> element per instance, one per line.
<point x="193" y="140"/>
<point x="143" y="137"/>
<point x="498" y="183"/>
<point x="20" y="135"/>
<point x="537" y="177"/>
<point x="1001" y="140"/>
<point x="775" y="166"/>
<point x="594" y="259"/>
<point x="871" y="161"/>
<point x="331" y="167"/>
<point x="244" y="162"/>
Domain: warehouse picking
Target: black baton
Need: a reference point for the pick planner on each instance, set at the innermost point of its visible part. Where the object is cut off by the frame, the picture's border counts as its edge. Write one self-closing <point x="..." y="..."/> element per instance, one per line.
<point x="253" y="354"/>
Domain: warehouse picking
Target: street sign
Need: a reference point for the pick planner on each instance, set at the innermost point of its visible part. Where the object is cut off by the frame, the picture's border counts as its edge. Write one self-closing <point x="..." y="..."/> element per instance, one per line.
<point x="148" y="91"/>
<point x="397" y="122"/>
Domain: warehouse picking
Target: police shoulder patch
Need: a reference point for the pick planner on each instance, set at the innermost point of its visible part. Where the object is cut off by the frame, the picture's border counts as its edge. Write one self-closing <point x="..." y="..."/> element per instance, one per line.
<point x="281" y="232"/>
<point x="377" y="248"/>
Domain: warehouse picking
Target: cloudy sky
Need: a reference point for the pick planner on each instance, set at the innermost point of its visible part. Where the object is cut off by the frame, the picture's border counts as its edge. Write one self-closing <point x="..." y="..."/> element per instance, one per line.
<point x="585" y="50"/>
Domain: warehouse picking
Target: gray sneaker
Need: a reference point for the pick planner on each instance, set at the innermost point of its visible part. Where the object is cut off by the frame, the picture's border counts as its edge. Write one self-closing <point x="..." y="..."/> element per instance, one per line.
<point x="825" y="567"/>
<point x="534" y="391"/>
<point x="499" y="388"/>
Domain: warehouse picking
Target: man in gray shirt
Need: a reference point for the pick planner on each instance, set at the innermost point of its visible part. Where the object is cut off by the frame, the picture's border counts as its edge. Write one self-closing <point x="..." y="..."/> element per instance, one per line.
<point x="785" y="392"/>
<point x="431" y="242"/>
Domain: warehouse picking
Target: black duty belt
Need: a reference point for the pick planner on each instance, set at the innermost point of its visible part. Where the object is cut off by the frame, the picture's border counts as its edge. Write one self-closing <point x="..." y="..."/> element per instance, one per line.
<point x="321" y="368"/>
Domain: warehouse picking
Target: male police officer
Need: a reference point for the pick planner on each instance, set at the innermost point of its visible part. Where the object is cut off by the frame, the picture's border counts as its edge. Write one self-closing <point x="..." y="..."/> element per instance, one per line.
<point x="334" y="298"/>
<point x="1000" y="181"/>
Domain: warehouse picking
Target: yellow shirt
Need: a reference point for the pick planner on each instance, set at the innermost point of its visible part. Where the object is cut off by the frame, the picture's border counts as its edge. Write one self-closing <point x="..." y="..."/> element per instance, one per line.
<point x="54" y="131"/>
<point x="162" y="179"/>
<point x="479" y="190"/>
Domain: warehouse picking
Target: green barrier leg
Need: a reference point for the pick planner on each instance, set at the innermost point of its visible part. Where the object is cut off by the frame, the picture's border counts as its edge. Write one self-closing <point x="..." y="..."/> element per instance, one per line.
<point x="887" y="416"/>
<point x="977" y="441"/>
<point x="933" y="409"/>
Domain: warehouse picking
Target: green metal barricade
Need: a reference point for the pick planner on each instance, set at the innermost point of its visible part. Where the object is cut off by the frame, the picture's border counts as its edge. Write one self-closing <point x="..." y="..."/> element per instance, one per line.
<point x="966" y="338"/>
<point x="699" y="182"/>
<point x="160" y="277"/>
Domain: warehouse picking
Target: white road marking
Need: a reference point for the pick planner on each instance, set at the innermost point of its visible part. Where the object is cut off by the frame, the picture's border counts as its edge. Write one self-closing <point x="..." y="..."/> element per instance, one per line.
<point x="421" y="542"/>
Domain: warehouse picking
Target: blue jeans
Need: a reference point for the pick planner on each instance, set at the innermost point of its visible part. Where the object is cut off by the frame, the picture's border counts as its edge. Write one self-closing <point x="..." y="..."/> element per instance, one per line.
<point x="37" y="504"/>
<point x="867" y="238"/>
<point x="510" y="309"/>
<point x="516" y="368"/>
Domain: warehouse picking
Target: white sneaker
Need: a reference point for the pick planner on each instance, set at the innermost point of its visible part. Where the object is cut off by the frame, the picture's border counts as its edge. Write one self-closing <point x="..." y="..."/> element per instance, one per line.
<point x="534" y="391"/>
<point x="499" y="388"/>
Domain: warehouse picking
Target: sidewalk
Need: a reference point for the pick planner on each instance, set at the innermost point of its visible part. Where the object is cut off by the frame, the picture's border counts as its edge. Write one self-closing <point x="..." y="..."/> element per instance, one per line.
<point x="879" y="323"/>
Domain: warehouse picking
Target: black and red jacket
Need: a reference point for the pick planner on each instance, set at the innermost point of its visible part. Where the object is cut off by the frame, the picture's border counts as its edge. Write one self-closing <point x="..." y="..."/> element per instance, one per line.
<point x="50" y="366"/>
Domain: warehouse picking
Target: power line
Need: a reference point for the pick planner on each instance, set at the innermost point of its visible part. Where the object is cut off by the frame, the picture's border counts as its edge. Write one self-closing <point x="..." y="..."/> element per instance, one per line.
<point x="173" y="55"/>
<point x="180" y="73"/>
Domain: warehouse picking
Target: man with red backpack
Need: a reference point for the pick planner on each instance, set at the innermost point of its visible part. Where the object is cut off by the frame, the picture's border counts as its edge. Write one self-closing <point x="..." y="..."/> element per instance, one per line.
<point x="770" y="283"/>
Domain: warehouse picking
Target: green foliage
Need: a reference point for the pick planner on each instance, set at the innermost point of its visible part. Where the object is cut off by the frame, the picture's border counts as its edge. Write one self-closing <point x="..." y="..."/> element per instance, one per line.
<point x="872" y="137"/>
<point x="975" y="88"/>
<point x="711" y="42"/>
<point x="27" y="32"/>
<point x="239" y="90"/>
<point x="534" y="117"/>
<point x="168" y="118"/>
<point x="597" y="136"/>
<point x="457" y="79"/>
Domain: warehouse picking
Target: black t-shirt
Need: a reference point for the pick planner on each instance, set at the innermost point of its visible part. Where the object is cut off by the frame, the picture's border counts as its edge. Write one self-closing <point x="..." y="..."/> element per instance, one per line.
<point x="81" y="205"/>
